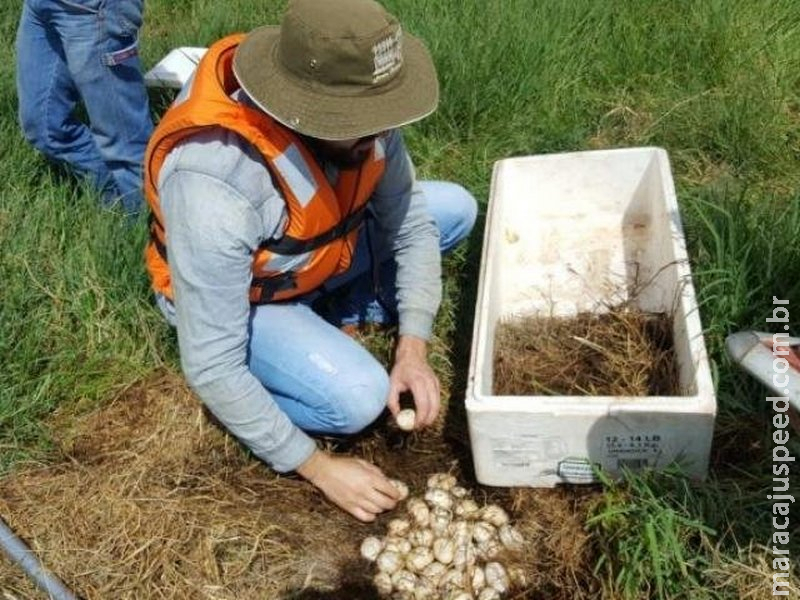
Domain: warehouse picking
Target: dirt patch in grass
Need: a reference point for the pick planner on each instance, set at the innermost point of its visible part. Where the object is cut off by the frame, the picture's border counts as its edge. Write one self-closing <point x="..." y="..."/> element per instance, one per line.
<point x="624" y="352"/>
<point x="151" y="500"/>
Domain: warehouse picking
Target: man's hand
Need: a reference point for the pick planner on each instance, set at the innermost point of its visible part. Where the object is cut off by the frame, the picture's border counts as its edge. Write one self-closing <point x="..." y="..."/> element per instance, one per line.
<point x="352" y="484"/>
<point x="411" y="373"/>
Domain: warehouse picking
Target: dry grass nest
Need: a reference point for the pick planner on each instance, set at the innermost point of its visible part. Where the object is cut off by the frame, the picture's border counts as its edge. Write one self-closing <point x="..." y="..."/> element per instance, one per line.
<point x="148" y="499"/>
<point x="622" y="352"/>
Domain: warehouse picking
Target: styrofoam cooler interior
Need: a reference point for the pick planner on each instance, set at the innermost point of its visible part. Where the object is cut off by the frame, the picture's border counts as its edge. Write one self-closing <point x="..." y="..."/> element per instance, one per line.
<point x="568" y="233"/>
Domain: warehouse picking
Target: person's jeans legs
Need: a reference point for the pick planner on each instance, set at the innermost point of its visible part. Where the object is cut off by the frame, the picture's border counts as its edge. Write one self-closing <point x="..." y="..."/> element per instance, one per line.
<point x="48" y="96"/>
<point x="110" y="81"/>
<point x="93" y="47"/>
<point x="322" y="379"/>
<point x="453" y="209"/>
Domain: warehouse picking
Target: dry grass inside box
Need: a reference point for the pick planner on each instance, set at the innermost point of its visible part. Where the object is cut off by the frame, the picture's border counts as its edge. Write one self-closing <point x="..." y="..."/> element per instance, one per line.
<point x="624" y="352"/>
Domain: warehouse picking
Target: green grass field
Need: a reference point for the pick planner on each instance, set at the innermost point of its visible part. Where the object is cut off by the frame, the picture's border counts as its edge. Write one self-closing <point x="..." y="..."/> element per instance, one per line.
<point x="715" y="82"/>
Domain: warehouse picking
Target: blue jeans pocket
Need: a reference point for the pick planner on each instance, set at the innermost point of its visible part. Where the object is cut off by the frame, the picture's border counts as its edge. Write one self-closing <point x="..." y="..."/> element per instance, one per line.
<point x="122" y="20"/>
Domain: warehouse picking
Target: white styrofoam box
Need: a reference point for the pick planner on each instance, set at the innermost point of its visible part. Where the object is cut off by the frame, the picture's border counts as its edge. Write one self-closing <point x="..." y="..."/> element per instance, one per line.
<point x="567" y="233"/>
<point x="175" y="68"/>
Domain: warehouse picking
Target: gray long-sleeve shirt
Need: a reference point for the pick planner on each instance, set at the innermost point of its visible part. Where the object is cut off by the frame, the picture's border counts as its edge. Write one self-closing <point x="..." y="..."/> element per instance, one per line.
<point x="219" y="203"/>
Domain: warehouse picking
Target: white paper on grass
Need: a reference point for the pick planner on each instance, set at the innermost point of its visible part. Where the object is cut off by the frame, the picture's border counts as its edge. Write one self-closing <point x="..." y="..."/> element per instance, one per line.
<point x="175" y="68"/>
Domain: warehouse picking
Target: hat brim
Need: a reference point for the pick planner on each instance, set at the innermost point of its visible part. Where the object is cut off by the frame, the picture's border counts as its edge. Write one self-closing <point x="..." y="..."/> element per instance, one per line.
<point x="329" y="113"/>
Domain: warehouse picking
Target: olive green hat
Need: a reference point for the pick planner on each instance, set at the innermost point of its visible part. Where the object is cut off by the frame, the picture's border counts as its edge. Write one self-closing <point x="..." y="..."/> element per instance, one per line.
<point x="337" y="69"/>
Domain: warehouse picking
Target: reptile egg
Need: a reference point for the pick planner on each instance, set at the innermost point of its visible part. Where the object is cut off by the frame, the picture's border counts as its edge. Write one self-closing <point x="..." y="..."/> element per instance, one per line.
<point x="439" y="498"/>
<point x="495" y="515"/>
<point x="434" y="572"/>
<point x="510" y="537"/>
<point x="440" y="520"/>
<point x="403" y="581"/>
<point x="489" y="593"/>
<point x="483" y="532"/>
<point x="398" y="527"/>
<point x="452" y="580"/>
<point x="466" y="508"/>
<point x="405" y="419"/>
<point x="418" y="559"/>
<point x="460" y="529"/>
<point x="489" y="549"/>
<point x="517" y="576"/>
<point x="391" y="544"/>
<point x="420" y="514"/>
<point x="401" y="487"/>
<point x="477" y="579"/>
<point x="496" y="577"/>
<point x="460" y="595"/>
<point x="371" y="547"/>
<point x="444" y="550"/>
<point x="421" y="538"/>
<point x="425" y="590"/>
<point x="383" y="583"/>
<point x="442" y="481"/>
<point x="464" y="555"/>
<point x="389" y="562"/>
<point x="459" y="492"/>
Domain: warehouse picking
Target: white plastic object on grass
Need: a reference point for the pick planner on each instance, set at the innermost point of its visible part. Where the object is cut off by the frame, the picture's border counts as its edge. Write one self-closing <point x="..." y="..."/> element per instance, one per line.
<point x="175" y="69"/>
<point x="753" y="350"/>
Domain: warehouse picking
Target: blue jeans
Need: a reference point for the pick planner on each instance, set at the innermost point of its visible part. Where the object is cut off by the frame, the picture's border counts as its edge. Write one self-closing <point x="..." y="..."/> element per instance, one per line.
<point x="324" y="380"/>
<point x="86" y="50"/>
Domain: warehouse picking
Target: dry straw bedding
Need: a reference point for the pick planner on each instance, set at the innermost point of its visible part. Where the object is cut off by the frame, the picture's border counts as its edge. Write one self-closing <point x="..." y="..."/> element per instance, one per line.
<point x="622" y="352"/>
<point x="149" y="499"/>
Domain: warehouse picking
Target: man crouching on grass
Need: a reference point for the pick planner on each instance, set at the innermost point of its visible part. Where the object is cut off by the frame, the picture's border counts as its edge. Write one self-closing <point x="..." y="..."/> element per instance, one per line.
<point x="285" y="207"/>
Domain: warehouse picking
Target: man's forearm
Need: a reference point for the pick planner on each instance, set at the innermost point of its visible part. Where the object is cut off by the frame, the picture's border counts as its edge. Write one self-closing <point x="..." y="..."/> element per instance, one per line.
<point x="411" y="346"/>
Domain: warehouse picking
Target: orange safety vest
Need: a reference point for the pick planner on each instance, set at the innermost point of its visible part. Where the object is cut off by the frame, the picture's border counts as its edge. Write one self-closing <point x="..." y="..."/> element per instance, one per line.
<point x="323" y="220"/>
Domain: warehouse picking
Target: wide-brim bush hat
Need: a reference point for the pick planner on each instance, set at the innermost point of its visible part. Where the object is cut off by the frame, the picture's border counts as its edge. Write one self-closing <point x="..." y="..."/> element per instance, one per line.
<point x="337" y="70"/>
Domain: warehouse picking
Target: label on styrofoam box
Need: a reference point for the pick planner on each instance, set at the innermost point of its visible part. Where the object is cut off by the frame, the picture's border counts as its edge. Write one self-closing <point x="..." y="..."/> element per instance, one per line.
<point x="632" y="451"/>
<point x="526" y="449"/>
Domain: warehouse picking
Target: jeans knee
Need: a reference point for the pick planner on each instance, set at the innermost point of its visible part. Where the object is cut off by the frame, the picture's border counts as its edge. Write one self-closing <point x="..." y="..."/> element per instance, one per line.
<point x="461" y="213"/>
<point x="468" y="210"/>
<point x="364" y="399"/>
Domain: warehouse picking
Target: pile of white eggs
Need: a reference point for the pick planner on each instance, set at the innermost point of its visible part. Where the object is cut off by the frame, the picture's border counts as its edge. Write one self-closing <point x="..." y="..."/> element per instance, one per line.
<point x="445" y="547"/>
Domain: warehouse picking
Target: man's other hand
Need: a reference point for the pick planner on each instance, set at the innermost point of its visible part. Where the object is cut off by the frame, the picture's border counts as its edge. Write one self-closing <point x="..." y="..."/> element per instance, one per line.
<point x="352" y="484"/>
<point x="412" y="373"/>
